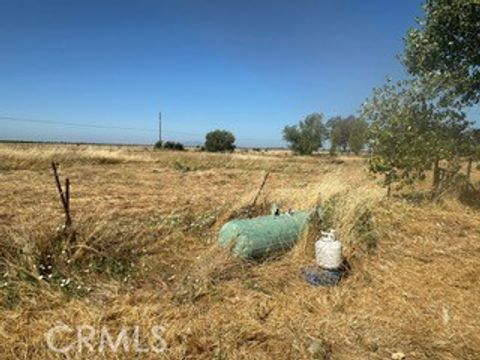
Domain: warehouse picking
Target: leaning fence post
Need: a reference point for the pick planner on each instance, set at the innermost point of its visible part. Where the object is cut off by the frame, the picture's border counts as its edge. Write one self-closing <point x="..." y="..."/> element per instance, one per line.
<point x="262" y="185"/>
<point x="65" y="199"/>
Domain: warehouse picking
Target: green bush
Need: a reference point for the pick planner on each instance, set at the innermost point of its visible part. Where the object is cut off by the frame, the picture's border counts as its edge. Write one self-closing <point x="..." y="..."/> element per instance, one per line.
<point x="158" y="145"/>
<point x="171" y="145"/>
<point x="220" y="141"/>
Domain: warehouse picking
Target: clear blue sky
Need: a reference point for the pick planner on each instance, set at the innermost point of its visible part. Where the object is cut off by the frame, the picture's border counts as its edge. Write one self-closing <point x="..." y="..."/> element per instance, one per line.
<point x="247" y="66"/>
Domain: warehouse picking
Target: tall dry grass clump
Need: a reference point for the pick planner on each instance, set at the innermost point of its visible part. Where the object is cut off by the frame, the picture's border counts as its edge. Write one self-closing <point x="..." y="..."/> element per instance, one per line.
<point x="347" y="202"/>
<point x="21" y="157"/>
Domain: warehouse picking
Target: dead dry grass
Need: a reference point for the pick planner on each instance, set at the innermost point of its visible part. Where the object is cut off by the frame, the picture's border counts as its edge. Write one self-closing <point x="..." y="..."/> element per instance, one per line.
<point x="144" y="254"/>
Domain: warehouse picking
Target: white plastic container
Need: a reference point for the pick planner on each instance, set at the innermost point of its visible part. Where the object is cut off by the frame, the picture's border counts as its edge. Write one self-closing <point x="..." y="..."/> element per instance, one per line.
<point x="328" y="251"/>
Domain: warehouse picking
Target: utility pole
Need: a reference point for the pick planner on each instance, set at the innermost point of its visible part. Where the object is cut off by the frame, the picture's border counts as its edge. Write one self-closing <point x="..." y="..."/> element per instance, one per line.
<point x="160" y="127"/>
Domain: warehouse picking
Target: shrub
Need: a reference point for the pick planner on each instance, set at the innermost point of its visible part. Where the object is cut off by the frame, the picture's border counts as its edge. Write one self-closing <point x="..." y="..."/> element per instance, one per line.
<point x="220" y="141"/>
<point x="171" y="145"/>
<point x="158" y="145"/>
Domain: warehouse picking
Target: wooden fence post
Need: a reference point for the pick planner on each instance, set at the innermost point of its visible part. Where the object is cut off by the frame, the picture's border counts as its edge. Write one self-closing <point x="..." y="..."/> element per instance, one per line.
<point x="64" y="198"/>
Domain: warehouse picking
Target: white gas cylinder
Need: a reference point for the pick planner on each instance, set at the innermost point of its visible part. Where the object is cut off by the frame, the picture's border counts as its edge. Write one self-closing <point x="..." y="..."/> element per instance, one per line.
<point x="328" y="251"/>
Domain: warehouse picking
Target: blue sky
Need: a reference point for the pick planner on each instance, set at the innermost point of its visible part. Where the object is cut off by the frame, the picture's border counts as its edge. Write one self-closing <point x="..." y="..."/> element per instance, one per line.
<point x="251" y="67"/>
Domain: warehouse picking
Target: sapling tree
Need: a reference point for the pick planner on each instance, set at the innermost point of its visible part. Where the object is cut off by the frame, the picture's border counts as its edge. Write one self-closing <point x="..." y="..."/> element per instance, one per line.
<point x="409" y="134"/>
<point x="418" y="124"/>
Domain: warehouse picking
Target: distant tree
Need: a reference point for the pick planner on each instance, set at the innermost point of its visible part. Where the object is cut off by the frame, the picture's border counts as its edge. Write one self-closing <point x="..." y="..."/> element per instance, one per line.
<point x="340" y="130"/>
<point x="171" y="145"/>
<point x="307" y="136"/>
<point x="358" y="135"/>
<point x="347" y="134"/>
<point x="410" y="134"/>
<point x="220" y="141"/>
<point x="444" y="50"/>
<point x="158" y="145"/>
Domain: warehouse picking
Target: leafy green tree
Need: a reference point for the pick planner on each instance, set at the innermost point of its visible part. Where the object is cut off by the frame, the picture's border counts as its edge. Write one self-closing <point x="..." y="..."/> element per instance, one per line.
<point x="410" y="134"/>
<point x="347" y="134"/>
<point x="340" y="130"/>
<point x="358" y="135"/>
<point x="220" y="141"/>
<point x="444" y="50"/>
<point x="417" y="125"/>
<point x="307" y="136"/>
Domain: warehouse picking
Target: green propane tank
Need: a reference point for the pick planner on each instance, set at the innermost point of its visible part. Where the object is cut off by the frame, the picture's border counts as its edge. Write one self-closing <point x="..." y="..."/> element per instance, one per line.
<point x="261" y="236"/>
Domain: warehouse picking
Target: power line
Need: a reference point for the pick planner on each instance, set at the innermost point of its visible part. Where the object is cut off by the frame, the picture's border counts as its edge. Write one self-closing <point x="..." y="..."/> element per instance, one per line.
<point x="93" y="126"/>
<point x="8" y="118"/>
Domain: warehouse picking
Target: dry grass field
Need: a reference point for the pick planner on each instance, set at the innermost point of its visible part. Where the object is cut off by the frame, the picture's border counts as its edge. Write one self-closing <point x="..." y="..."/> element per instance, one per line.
<point x="144" y="253"/>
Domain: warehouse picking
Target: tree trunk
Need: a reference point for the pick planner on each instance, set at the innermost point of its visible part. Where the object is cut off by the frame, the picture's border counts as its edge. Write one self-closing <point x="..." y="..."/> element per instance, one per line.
<point x="469" y="169"/>
<point x="436" y="177"/>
